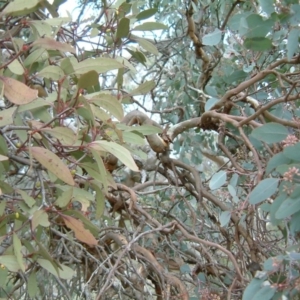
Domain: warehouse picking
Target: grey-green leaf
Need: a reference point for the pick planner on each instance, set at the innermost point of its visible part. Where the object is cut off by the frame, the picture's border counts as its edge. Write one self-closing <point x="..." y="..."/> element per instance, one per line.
<point x="265" y="189"/>
<point x="270" y="133"/>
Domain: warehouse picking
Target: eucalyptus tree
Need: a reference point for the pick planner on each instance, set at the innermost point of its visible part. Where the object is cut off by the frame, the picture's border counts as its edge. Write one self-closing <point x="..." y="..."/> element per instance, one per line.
<point x="149" y="150"/>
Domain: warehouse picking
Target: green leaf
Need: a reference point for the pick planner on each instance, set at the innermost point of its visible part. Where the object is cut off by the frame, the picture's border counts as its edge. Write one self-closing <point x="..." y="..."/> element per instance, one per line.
<point x="274" y="208"/>
<point x="288" y="208"/>
<point x="293" y="43"/>
<point x="133" y="138"/>
<point x="117" y="150"/>
<point x="7" y="116"/>
<point x="101" y="168"/>
<point x="257" y="26"/>
<point x="258" y="44"/>
<point x="16" y="68"/>
<point x="100" y="65"/>
<point x="265" y="189"/>
<point x="109" y="103"/>
<point x="270" y="133"/>
<point x="210" y="103"/>
<point x="139" y="56"/>
<point x="267" y="6"/>
<point x="64" y="199"/>
<point x="20" y="7"/>
<point x="64" y="135"/>
<point x="277" y="160"/>
<point x="292" y="152"/>
<point x="10" y="262"/>
<point x="100" y="200"/>
<point x="149" y="26"/>
<point x="3" y="277"/>
<point x="148" y="13"/>
<point x="18" y="253"/>
<point x="225" y="218"/>
<point x="212" y="38"/>
<point x="148" y="46"/>
<point x="28" y="200"/>
<point x="217" y="180"/>
<point x="144" y="88"/>
<point x="36" y="55"/>
<point x="88" y="79"/>
<point x="123" y="28"/>
<point x="40" y="217"/>
<point x="32" y="285"/>
<point x="52" y="162"/>
<point x="266" y="292"/>
<point x="185" y="269"/>
<point x="41" y="28"/>
<point x="64" y="272"/>
<point x="52" y="72"/>
<point x="252" y="288"/>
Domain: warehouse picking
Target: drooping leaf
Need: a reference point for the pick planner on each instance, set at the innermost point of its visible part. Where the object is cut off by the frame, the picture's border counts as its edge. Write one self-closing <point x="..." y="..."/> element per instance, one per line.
<point x="51" y="44"/>
<point x="100" y="200"/>
<point x="149" y="26"/>
<point x="52" y="162"/>
<point x="270" y="133"/>
<point x="101" y="168"/>
<point x="32" y="285"/>
<point x="18" y="253"/>
<point x="117" y="150"/>
<point x="81" y="233"/>
<point x="265" y="189"/>
<point x="123" y="28"/>
<point x="17" y="92"/>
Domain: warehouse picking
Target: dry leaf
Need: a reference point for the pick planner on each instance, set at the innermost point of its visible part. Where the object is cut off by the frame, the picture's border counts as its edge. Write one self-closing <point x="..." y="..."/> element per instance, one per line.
<point x="51" y="44"/>
<point x="17" y="92"/>
<point x="53" y="163"/>
<point x="81" y="233"/>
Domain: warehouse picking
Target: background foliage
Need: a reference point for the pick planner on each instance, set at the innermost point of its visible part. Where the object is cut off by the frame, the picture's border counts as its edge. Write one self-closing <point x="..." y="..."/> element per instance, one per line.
<point x="150" y="150"/>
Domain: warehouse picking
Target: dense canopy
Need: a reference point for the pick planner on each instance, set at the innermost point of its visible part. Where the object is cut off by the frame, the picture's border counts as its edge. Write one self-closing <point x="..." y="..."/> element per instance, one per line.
<point x="149" y="149"/>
